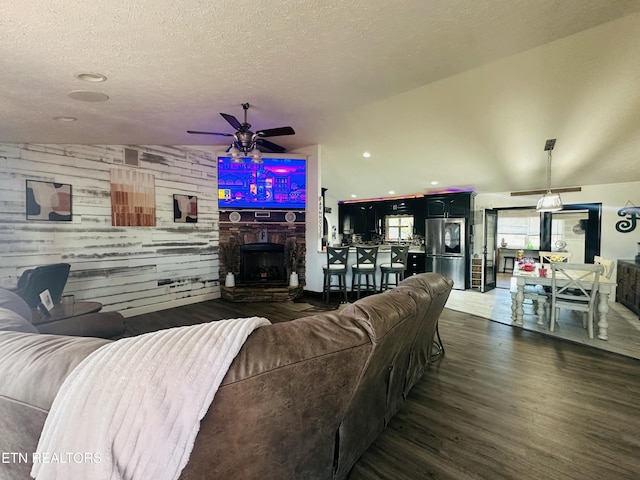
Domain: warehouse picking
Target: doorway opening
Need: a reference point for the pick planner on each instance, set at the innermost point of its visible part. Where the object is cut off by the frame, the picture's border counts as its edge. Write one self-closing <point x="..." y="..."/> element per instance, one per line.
<point x="574" y="229"/>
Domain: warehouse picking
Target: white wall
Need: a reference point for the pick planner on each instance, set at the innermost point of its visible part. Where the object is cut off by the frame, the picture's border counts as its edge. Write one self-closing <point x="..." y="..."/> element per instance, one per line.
<point x="129" y="269"/>
<point x="613" y="197"/>
<point x="313" y="233"/>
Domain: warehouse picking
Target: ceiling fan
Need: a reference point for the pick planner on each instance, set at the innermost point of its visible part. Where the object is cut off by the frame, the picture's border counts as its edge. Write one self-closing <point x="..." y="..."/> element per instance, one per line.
<point x="247" y="142"/>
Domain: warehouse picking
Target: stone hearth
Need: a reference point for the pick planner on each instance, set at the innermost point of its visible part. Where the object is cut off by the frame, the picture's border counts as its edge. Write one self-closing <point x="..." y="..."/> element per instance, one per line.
<point x="260" y="293"/>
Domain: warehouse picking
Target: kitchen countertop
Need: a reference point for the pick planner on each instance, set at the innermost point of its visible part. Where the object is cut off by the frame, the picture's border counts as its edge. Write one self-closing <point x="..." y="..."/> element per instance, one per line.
<point x="386" y="248"/>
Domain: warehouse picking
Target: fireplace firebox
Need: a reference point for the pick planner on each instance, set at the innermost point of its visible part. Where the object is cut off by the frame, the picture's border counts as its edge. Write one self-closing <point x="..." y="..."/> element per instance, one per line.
<point x="262" y="263"/>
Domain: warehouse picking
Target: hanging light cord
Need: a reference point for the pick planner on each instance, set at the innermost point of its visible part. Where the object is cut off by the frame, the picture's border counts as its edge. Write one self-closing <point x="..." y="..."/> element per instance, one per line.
<point x="549" y="172"/>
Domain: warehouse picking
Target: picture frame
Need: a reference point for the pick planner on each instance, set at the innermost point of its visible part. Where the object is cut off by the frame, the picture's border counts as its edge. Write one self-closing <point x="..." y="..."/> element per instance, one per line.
<point x="185" y="208"/>
<point x="48" y="201"/>
<point x="47" y="301"/>
<point x="133" y="198"/>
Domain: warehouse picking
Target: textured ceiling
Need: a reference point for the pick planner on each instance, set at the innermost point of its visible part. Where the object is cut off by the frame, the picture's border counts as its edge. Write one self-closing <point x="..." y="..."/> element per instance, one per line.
<point x="459" y="91"/>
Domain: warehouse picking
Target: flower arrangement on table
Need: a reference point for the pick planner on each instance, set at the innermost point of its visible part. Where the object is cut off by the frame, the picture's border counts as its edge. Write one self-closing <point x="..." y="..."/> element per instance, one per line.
<point x="527" y="264"/>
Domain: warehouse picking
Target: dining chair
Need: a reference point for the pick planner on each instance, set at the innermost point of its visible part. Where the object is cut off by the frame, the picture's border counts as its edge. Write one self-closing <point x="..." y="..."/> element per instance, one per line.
<point x="336" y="265"/>
<point x="396" y="267"/>
<point x="548" y="257"/>
<point x="574" y="286"/>
<point x="365" y="265"/>
<point x="607" y="265"/>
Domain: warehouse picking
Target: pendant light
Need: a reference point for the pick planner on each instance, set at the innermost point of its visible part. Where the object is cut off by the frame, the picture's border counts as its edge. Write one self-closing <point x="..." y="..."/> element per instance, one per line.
<point x="549" y="202"/>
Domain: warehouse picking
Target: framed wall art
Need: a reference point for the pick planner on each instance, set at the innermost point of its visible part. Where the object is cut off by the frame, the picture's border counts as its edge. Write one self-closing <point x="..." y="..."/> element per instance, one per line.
<point x="133" y="199"/>
<point x="48" y="201"/>
<point x="185" y="208"/>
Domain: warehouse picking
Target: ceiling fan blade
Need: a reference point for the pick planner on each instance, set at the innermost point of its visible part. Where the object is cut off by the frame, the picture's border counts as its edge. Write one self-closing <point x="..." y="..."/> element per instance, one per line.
<point x="233" y="121"/>
<point x="276" y="132"/>
<point x="210" y="133"/>
<point x="266" y="145"/>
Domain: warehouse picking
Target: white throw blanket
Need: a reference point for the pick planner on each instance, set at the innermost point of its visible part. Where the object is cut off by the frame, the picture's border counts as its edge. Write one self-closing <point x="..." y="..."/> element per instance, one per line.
<point x="132" y="409"/>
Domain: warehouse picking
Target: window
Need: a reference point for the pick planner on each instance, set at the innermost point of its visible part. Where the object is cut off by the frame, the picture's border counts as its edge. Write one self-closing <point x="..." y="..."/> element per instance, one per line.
<point x="519" y="229"/>
<point x="398" y="227"/>
<point x="568" y="230"/>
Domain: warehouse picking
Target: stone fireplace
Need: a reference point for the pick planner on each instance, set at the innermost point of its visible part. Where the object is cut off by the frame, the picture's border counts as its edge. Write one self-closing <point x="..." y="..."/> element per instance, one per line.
<point x="261" y="236"/>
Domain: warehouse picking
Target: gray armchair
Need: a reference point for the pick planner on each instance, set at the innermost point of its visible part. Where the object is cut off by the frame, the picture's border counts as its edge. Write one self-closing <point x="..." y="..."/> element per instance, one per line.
<point x="36" y="280"/>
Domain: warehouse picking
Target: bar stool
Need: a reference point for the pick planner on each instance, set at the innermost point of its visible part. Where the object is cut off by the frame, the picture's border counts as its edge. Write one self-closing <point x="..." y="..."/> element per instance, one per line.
<point x="397" y="266"/>
<point x="365" y="265"/>
<point x="336" y="265"/>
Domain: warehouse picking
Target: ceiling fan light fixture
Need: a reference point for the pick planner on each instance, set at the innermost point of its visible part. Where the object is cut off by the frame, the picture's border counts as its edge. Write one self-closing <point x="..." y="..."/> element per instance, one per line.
<point x="256" y="155"/>
<point x="245" y="140"/>
<point x="549" y="202"/>
<point x="236" y="154"/>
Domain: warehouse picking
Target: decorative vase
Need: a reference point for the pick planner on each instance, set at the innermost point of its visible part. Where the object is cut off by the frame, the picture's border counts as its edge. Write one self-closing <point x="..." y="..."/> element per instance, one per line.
<point x="230" y="280"/>
<point x="293" y="279"/>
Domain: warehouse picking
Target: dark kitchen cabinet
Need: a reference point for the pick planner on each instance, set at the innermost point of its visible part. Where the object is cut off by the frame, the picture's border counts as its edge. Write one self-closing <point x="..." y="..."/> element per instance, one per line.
<point x="396" y="207"/>
<point x="415" y="264"/>
<point x="406" y="206"/>
<point x="455" y="205"/>
<point x="361" y="218"/>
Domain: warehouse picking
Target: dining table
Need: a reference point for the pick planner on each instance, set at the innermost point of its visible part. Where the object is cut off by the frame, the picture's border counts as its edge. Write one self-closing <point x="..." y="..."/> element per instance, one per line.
<point x="536" y="277"/>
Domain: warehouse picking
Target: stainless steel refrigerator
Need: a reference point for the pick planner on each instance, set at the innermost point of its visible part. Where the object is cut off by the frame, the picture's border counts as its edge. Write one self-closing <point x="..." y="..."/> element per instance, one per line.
<point x="445" y="249"/>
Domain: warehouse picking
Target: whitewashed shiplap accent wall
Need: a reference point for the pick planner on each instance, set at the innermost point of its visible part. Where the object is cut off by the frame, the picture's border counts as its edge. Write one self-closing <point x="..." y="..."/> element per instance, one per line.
<point x="129" y="269"/>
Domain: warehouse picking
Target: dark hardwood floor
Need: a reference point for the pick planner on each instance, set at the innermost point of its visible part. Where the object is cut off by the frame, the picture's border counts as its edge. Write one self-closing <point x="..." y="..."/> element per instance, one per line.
<point x="503" y="403"/>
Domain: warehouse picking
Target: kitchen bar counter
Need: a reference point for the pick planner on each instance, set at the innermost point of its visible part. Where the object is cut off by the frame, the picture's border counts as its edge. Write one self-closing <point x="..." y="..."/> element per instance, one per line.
<point x="386" y="249"/>
<point x="384" y="256"/>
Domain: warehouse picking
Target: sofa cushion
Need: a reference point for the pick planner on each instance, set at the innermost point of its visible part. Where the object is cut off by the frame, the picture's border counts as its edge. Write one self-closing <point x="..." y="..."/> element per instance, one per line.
<point x="278" y="409"/>
<point x="15" y="302"/>
<point x="11" y="321"/>
<point x="381" y="314"/>
<point x="33" y="366"/>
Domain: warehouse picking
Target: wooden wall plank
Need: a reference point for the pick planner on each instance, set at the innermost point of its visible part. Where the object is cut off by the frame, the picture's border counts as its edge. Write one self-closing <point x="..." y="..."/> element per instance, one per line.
<point x="125" y="268"/>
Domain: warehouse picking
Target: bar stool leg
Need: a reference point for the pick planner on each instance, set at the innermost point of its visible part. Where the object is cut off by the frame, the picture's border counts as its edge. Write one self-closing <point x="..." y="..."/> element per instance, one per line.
<point x="344" y="289"/>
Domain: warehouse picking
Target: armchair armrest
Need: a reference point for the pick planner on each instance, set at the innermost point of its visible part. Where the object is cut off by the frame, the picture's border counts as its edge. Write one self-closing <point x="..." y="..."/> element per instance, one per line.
<point x="101" y="325"/>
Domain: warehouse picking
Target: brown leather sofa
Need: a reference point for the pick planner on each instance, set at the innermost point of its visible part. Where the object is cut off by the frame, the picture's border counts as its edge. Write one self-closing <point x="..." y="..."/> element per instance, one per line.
<point x="302" y="400"/>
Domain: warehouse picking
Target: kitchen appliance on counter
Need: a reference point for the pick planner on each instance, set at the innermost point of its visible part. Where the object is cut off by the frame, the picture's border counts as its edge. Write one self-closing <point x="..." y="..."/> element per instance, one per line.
<point x="445" y="249"/>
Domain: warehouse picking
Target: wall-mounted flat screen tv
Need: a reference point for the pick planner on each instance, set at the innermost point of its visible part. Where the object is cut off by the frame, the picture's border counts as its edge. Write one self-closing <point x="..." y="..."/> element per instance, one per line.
<point x="276" y="183"/>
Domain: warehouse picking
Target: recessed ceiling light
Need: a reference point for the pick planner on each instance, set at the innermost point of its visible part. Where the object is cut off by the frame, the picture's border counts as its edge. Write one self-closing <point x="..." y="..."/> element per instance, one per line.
<point x="366" y="155"/>
<point x="391" y="192"/>
<point x="435" y="182"/>
<point x="91" y="77"/>
<point x="353" y="195"/>
<point x="87" y="96"/>
<point x="64" y="119"/>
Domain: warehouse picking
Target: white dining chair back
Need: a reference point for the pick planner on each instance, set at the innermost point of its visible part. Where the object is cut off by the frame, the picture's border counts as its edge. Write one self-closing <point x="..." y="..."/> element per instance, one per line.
<point x="548" y="257"/>
<point x="607" y="265"/>
<point x="574" y="286"/>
